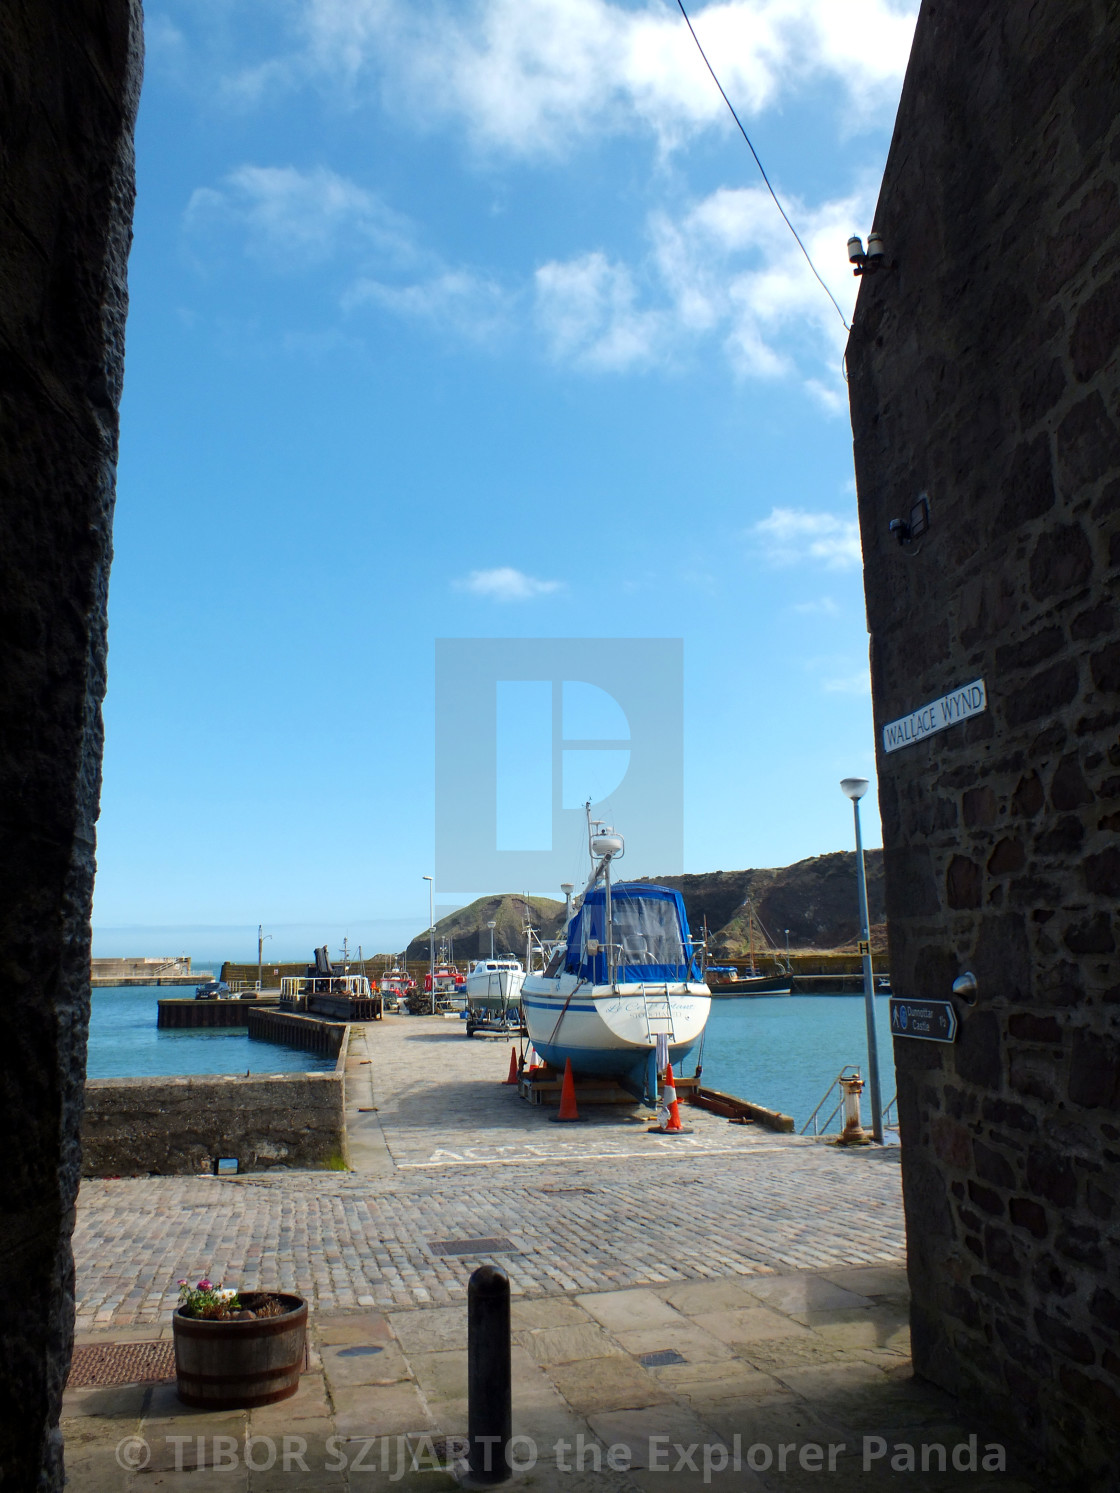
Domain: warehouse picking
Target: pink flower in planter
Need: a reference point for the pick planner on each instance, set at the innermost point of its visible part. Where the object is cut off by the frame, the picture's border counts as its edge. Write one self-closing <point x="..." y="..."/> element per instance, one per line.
<point x="205" y="1285"/>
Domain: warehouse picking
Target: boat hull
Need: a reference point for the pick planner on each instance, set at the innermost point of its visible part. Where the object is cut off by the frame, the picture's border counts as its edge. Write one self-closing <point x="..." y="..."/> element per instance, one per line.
<point x="493" y="992"/>
<point x="605" y="1031"/>
<point x="753" y="985"/>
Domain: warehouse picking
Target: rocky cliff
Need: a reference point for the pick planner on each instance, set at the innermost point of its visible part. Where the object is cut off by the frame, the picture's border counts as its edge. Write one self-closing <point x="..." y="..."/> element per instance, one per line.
<point x="816" y="899"/>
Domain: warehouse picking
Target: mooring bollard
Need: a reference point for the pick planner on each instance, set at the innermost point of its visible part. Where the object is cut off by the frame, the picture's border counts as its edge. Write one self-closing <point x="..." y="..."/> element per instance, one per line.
<point x="489" y="1395"/>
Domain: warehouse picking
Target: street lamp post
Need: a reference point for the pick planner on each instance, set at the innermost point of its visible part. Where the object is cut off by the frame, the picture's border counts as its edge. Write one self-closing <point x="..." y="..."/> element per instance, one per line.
<point x="432" y="939"/>
<point x="855" y="788"/>
<point x="261" y="936"/>
<point x="789" y="966"/>
<point x="491" y="925"/>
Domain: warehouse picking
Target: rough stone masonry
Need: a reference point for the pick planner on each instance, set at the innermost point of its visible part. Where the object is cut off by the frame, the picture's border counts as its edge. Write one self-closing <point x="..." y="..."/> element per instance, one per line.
<point x="984" y="376"/>
<point x="69" y="79"/>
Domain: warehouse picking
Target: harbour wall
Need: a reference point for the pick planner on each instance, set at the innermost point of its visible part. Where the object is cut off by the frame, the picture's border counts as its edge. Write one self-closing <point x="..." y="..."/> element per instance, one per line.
<point x="180" y="1126"/>
<point x="309" y="1033"/>
<point x="984" y="378"/>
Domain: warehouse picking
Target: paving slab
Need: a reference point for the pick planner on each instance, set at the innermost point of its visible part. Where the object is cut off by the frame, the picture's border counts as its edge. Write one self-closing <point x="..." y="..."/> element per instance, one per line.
<point x="566" y="1344"/>
<point x="598" y="1384"/>
<point x="629" y="1310"/>
<point x="748" y="1324"/>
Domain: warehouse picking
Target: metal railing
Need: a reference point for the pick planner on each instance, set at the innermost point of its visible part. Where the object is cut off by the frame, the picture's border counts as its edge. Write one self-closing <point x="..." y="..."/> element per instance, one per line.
<point x="848" y="1072"/>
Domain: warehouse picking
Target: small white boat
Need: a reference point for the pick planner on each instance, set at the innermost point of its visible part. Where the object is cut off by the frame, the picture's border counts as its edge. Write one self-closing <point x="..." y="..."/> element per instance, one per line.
<point x="493" y="988"/>
<point x="626" y="974"/>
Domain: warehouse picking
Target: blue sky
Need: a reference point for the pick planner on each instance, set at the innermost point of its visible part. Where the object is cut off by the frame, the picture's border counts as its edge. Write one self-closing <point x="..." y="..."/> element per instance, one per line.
<point x="471" y="320"/>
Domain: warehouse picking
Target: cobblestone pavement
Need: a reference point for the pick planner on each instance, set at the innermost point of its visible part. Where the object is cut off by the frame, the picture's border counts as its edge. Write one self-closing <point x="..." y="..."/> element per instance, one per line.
<point x="780" y="1382"/>
<point x="443" y="1151"/>
<point x="765" y="1271"/>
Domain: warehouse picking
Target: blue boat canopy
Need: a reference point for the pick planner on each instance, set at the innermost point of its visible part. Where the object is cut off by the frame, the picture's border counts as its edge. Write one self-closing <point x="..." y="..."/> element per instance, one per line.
<point x="651" y="936"/>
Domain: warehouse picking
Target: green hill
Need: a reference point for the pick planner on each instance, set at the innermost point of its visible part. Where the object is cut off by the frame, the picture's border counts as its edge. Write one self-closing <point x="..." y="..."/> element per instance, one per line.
<point x="466" y="930"/>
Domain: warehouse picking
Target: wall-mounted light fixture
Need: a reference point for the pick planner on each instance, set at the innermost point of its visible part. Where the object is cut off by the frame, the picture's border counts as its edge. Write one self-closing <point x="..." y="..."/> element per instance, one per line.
<point x="866" y="263"/>
<point x="907" y="530"/>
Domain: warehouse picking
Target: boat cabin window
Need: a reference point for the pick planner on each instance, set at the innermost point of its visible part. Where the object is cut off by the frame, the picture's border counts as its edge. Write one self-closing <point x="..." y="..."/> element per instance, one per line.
<point x="647" y="932"/>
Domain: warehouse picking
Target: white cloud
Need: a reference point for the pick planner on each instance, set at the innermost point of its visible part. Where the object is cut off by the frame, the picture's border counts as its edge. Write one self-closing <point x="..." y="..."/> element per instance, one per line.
<point x="728" y="268"/>
<point x="292" y="218"/>
<point x="506" y="584"/>
<point x="789" y="536"/>
<point x="723" y="269"/>
<point x="470" y="304"/>
<point x="586" y="309"/>
<point x="535" y="76"/>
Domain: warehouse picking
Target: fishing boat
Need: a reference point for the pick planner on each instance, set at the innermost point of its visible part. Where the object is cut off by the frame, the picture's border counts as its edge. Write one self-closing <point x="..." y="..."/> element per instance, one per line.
<point x="625" y="974"/>
<point x="728" y="979"/>
<point x="396" y="985"/>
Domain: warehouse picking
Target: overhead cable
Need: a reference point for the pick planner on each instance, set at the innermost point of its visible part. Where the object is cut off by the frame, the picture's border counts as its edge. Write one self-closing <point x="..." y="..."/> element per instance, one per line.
<point x="760" y="166"/>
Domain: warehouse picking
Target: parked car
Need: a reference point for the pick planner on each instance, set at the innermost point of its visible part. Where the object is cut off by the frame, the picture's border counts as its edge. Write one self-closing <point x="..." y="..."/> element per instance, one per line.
<point x="213" y="990"/>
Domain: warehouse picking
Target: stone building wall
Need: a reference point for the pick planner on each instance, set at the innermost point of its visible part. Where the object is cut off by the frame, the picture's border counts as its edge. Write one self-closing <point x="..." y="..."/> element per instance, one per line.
<point x="984" y="372"/>
<point x="69" y="79"/>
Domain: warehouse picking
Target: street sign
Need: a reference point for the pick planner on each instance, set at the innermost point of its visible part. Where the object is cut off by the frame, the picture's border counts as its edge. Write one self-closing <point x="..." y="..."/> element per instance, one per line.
<point x="956" y="706"/>
<point x="931" y="1021"/>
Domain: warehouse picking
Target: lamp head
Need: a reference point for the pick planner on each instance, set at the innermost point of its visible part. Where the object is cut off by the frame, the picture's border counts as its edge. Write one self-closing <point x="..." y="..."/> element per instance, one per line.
<point x="854" y="788"/>
<point x="491" y="924"/>
<point x="567" y="887"/>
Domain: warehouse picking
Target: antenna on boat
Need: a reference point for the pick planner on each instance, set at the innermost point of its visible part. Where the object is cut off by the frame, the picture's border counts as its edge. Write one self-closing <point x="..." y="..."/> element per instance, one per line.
<point x="603" y="842"/>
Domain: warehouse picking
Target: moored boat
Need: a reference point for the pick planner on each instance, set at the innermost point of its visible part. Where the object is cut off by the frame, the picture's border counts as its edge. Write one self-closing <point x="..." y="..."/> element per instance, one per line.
<point x="727" y="979"/>
<point x="623" y="982"/>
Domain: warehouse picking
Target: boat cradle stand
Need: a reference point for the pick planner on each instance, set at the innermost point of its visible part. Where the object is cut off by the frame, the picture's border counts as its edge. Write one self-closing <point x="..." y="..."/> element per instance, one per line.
<point x="543" y="1087"/>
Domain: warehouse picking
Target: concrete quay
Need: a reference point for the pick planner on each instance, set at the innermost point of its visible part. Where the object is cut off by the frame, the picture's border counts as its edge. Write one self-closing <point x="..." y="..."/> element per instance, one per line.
<point x="769" y="1268"/>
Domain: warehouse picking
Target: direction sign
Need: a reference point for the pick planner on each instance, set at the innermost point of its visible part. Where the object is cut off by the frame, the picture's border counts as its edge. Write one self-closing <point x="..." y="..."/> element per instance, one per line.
<point x="931" y="1021"/>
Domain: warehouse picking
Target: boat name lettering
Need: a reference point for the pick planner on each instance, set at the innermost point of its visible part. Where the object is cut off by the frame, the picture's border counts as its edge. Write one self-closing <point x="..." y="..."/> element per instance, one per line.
<point x="949" y="710"/>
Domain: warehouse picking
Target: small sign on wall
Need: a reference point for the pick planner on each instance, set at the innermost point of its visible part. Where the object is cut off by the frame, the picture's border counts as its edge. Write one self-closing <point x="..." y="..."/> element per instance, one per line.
<point x="939" y="714"/>
<point x="930" y="1021"/>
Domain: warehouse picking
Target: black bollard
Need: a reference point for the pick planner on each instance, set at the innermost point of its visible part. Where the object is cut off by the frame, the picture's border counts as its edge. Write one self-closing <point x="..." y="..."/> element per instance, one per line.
<point x="489" y="1395"/>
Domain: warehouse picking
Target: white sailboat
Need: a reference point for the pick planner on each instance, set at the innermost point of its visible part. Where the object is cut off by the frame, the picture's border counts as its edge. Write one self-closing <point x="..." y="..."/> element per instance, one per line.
<point x="625" y="974"/>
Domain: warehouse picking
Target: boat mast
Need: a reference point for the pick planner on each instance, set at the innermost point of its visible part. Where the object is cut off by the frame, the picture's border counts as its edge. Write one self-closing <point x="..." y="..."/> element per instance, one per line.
<point x="750" y="932"/>
<point x="603" y="869"/>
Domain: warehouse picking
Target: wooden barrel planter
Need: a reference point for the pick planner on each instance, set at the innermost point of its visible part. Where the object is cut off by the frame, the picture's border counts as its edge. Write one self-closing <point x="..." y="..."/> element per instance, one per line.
<point x="238" y="1365"/>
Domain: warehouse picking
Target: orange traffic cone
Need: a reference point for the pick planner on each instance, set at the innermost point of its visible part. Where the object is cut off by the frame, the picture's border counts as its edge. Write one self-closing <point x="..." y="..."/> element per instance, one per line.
<point x="567" y="1110"/>
<point x="512" y="1067"/>
<point x="669" y="1114"/>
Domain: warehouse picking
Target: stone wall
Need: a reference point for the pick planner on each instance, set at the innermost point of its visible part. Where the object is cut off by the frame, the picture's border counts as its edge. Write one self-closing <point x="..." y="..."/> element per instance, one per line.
<point x="69" y="80"/>
<point x="180" y="1126"/>
<point x="984" y="372"/>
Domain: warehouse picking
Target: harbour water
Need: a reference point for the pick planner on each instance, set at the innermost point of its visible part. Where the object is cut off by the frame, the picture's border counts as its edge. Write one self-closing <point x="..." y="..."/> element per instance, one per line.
<point x="124" y="1042"/>
<point x="780" y="1052"/>
<point x="783" y="1051"/>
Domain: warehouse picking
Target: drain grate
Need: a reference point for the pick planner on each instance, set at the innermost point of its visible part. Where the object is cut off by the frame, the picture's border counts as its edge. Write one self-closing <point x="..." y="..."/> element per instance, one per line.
<point x="660" y="1360"/>
<point x="471" y="1246"/>
<point x="106" y="1364"/>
